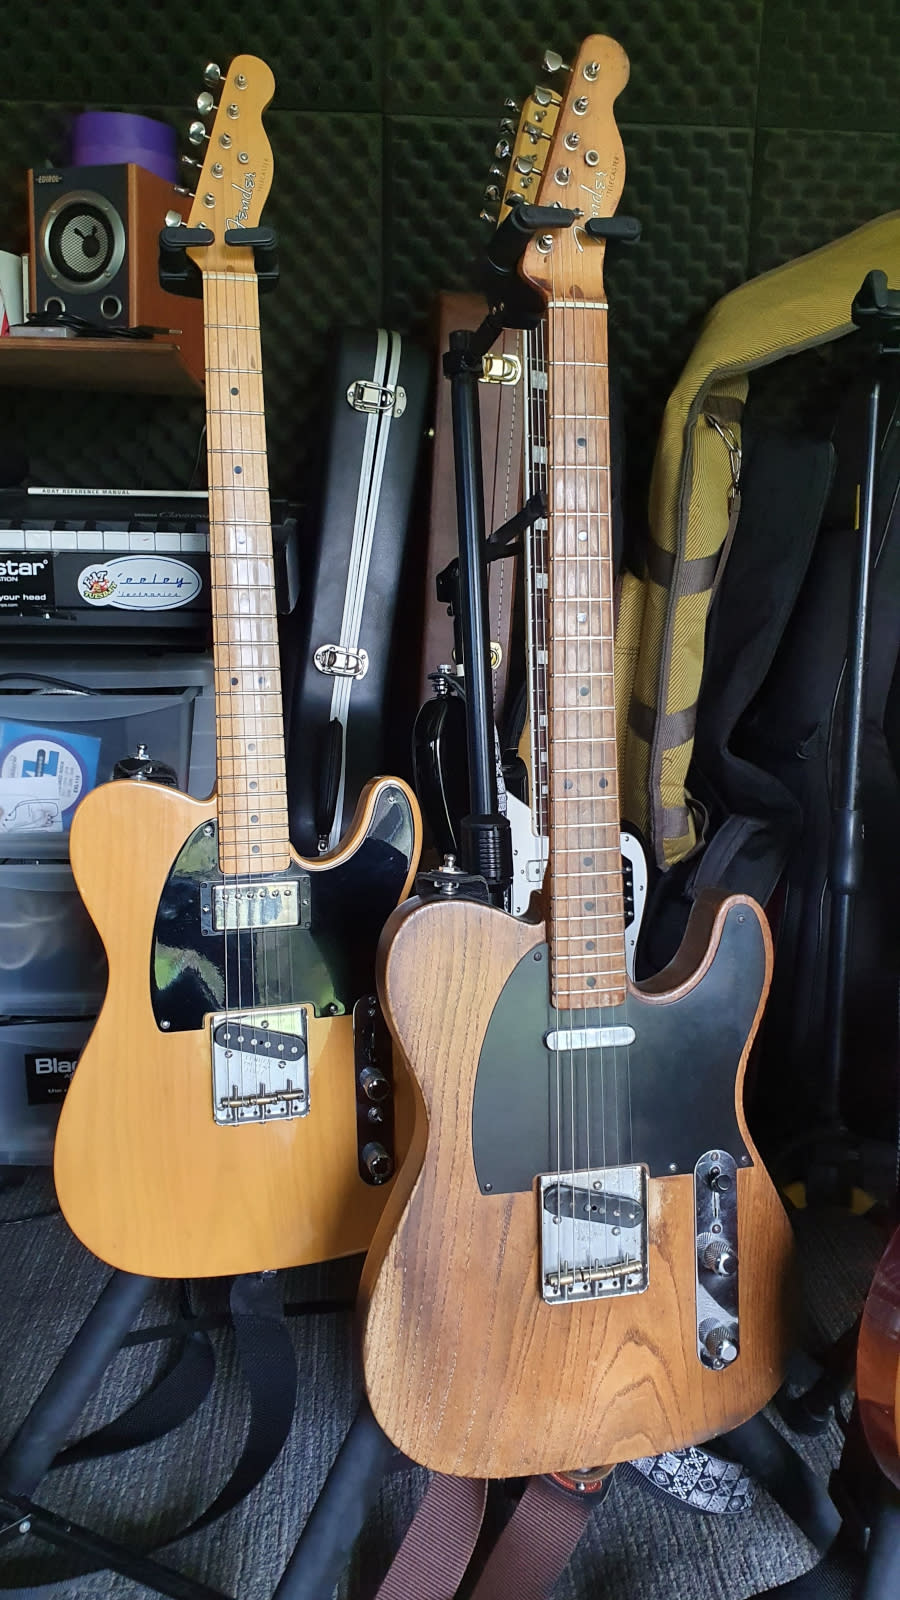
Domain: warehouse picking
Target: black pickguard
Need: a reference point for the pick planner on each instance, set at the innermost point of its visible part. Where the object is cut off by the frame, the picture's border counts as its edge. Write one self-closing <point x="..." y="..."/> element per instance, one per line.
<point x="663" y="1100"/>
<point x="327" y="964"/>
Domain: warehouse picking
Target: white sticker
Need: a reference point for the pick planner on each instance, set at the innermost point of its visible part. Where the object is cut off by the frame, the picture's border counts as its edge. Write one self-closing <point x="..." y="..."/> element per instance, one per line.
<point x="139" y="583"/>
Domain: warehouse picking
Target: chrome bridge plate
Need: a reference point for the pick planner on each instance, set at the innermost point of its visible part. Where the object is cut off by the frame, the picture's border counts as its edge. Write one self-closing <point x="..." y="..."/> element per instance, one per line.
<point x="231" y="906"/>
<point x="260" y="1065"/>
<point x="593" y="1233"/>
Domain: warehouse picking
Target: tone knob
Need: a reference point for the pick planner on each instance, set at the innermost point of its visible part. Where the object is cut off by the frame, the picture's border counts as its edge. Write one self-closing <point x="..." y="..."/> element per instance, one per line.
<point x="375" y="1084"/>
<point x="717" y="1255"/>
<point x="719" y="1340"/>
<point x="376" y="1161"/>
<point x="197" y="133"/>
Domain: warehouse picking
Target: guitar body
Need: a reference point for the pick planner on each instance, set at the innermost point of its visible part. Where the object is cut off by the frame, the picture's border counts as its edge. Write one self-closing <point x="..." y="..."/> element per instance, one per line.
<point x="146" y="1177"/>
<point x="469" y="1370"/>
<point x="878" y="1363"/>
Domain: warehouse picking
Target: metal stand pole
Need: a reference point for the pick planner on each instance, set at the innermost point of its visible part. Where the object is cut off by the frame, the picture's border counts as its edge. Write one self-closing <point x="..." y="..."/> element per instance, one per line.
<point x="347" y="1496"/>
<point x="28" y="1456"/>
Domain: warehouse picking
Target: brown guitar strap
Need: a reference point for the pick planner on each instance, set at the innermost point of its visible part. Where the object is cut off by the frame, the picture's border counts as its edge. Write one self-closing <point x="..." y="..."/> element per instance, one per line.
<point x="431" y="1561"/>
<point x="528" y="1559"/>
<point x="536" y="1545"/>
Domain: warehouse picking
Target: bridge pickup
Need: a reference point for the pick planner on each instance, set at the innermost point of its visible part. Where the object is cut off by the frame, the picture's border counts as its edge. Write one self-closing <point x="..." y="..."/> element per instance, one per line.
<point x="260" y="1065"/>
<point x="582" y="1219"/>
<point x="593" y="1205"/>
<point x="260" y="903"/>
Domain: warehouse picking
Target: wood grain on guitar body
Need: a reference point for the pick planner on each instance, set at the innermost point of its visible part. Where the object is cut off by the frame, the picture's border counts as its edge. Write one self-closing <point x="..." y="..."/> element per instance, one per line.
<point x="583" y="1259"/>
<point x="211" y="1125"/>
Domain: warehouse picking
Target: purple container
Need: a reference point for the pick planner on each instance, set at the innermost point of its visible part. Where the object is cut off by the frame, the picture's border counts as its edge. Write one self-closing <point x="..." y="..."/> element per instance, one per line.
<point x="109" y="138"/>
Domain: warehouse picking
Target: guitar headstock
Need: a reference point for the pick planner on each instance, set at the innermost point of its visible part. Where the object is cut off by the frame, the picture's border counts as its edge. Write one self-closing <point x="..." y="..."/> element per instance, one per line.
<point x="525" y="146"/>
<point x="236" y="173"/>
<point x="584" y="171"/>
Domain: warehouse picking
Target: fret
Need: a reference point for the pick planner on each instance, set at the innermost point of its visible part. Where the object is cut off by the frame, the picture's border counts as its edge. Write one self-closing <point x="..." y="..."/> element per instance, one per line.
<point x="252" y="783"/>
<point x="587" y="920"/>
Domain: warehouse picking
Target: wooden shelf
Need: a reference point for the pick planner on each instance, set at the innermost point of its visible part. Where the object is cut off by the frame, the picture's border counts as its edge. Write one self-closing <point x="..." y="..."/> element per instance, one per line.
<point x="135" y="366"/>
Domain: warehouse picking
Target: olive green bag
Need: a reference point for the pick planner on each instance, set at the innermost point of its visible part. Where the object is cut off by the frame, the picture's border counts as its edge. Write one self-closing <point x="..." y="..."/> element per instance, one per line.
<point x="694" y="504"/>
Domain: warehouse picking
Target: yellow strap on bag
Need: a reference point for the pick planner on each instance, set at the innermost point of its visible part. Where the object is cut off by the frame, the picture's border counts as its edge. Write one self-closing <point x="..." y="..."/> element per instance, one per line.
<point x="694" y="502"/>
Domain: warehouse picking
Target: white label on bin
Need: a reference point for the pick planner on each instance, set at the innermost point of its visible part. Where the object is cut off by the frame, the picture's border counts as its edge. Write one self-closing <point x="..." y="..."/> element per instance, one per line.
<point x="139" y="583"/>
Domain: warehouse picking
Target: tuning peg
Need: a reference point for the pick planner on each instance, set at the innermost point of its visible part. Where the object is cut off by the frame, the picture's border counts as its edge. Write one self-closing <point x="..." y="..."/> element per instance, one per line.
<point x="553" y="62"/>
<point x="506" y="125"/>
<point x="495" y="171"/>
<point x="180" y="189"/>
<point x="212" y="74"/>
<point x="188" y="161"/>
<point x="525" y="164"/>
<point x="488" y="216"/>
<point x="492" y="194"/>
<point x="503" y="149"/>
<point x="205" y="103"/>
<point x="512" y="107"/>
<point x="174" y="219"/>
<point x="197" y="133"/>
<point x="544" y="97"/>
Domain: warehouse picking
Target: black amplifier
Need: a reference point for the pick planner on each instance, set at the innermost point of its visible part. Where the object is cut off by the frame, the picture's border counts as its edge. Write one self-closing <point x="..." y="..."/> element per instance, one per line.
<point x="118" y="562"/>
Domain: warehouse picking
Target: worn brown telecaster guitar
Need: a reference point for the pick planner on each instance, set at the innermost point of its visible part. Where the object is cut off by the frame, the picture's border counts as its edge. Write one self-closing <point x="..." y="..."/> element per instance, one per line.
<point x="584" y="1260"/>
<point x="211" y="1126"/>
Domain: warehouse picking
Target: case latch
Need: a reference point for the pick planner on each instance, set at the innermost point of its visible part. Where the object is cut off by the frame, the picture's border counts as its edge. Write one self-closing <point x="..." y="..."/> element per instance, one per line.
<point x="337" y="661"/>
<point x="366" y="395"/>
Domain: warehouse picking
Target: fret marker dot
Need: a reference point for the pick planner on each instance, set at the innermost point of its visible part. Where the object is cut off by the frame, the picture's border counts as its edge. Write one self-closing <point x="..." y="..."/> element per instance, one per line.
<point x="592" y="983"/>
<point x="255" y="817"/>
<point x="603" y="783"/>
<point x="581" y="443"/>
<point x="238" y="469"/>
<point x="583" y="689"/>
<point x="582" y="616"/>
<point x="568" y="783"/>
<point x="589" y="945"/>
<point x="254" y="785"/>
<point x="582" y="536"/>
<point x="234" y="391"/>
<point x="234" y="680"/>
<point x="251" y="747"/>
<point x="256" y="849"/>
<point x="588" y="861"/>
<point x="589" y="905"/>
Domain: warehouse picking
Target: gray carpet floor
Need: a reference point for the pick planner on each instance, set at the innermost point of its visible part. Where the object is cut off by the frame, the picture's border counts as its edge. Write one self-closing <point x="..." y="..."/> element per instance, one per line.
<point x="637" y="1546"/>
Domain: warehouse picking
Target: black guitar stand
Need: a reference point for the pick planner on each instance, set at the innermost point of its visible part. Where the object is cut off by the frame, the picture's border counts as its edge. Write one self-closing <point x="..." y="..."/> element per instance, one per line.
<point x="831" y="1160"/>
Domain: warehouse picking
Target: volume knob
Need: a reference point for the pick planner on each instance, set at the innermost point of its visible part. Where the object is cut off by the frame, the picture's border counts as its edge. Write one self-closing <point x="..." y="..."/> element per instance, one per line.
<point x="718" y="1256"/>
<point x="719" y="1340"/>
<point x="374" y="1083"/>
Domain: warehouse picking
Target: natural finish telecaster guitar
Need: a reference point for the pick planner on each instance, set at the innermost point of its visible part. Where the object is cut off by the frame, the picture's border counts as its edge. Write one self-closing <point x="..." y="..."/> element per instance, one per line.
<point x="211" y="1125"/>
<point x="583" y="1260"/>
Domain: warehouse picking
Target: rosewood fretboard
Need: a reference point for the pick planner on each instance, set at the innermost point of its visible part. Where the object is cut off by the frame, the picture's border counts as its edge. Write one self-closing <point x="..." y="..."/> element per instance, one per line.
<point x="587" y="929"/>
<point x="252" y="785"/>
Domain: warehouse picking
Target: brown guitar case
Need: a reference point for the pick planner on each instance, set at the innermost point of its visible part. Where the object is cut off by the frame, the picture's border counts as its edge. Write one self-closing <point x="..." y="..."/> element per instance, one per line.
<point x="501" y="407"/>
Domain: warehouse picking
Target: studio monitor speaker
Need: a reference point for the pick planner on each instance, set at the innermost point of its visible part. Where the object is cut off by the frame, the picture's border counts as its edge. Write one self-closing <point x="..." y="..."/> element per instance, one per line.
<point x="93" y="241"/>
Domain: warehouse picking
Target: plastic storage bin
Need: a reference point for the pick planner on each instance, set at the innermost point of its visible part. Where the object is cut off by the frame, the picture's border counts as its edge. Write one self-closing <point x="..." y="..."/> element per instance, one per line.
<point x="163" y="702"/>
<point x="36" y="1064"/>
<point x="51" y="959"/>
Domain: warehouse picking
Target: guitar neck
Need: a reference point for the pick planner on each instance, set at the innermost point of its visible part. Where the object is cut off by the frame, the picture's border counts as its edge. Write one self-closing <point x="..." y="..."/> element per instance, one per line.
<point x="252" y="783"/>
<point x="587" y="925"/>
<point x="536" y="575"/>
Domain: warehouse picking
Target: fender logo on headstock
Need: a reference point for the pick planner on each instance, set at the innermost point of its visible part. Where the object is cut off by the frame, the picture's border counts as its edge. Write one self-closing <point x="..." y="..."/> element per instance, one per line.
<point x="245" y="190"/>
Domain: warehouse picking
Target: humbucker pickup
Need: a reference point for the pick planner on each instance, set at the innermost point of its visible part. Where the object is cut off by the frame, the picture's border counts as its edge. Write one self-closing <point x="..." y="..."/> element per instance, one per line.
<point x="262" y="903"/>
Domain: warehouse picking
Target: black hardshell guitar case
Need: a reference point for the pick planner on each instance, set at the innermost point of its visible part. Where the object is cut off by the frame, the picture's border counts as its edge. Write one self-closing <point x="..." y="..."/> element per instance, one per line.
<point x="340" y="723"/>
